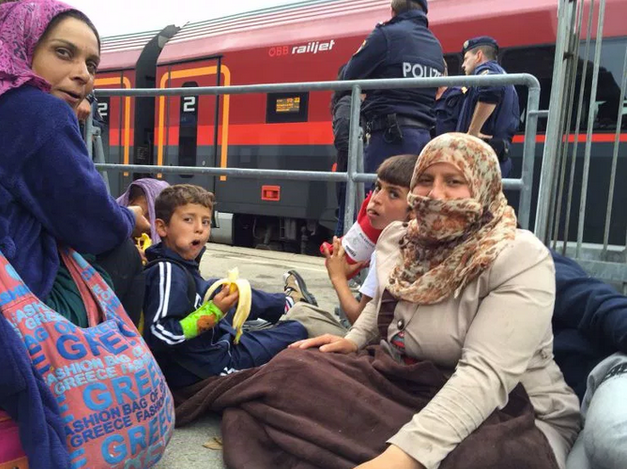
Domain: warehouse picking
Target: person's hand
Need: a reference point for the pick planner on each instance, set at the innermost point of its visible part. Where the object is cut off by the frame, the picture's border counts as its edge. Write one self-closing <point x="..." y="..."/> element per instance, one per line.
<point x="336" y="260"/>
<point x="83" y="110"/>
<point x="480" y="135"/>
<point x="142" y="225"/>
<point x="336" y="263"/>
<point x="224" y="300"/>
<point x="327" y="343"/>
<point x="142" y="254"/>
<point x="392" y="457"/>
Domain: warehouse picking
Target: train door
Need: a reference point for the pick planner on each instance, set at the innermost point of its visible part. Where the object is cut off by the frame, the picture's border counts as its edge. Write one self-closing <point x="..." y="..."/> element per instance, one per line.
<point x="189" y="136"/>
<point x="117" y="126"/>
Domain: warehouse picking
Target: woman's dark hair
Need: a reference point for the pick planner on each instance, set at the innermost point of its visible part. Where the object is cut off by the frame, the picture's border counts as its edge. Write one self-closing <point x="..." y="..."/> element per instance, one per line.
<point x="135" y="193"/>
<point x="337" y="95"/>
<point x="70" y="14"/>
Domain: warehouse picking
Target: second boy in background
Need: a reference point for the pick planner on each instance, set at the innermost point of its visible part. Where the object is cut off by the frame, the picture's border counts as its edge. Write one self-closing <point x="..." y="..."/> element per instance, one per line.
<point x="388" y="203"/>
<point x="175" y="322"/>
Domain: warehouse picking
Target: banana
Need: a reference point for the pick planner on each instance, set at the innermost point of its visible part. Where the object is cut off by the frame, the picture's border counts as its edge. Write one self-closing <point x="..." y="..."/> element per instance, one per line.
<point x="243" y="303"/>
<point x="143" y="242"/>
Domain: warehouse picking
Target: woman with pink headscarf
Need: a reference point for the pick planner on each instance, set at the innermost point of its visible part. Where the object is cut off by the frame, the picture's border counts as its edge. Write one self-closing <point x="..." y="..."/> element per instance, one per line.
<point x="50" y="192"/>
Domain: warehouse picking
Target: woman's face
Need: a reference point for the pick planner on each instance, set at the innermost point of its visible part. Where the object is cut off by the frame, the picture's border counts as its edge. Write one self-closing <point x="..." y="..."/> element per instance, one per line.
<point x="67" y="57"/>
<point x="442" y="181"/>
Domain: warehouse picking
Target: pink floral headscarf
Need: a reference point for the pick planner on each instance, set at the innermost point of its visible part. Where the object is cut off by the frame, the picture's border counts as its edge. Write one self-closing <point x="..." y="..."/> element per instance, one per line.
<point x="451" y="242"/>
<point x="22" y="24"/>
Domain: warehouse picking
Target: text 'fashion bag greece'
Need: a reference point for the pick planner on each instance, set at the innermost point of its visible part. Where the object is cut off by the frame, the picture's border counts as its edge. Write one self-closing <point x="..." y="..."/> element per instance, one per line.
<point x="113" y="398"/>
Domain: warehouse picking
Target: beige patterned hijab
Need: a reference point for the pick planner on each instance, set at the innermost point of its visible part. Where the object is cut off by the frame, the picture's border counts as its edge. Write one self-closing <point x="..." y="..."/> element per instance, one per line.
<point x="451" y="242"/>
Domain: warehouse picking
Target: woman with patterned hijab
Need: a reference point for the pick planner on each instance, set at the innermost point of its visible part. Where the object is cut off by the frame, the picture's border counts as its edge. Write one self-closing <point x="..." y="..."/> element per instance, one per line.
<point x="463" y="288"/>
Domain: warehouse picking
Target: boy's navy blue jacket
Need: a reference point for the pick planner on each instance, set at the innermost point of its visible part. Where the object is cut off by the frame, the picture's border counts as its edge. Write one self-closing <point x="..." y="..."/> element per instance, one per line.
<point x="167" y="302"/>
<point x="27" y="399"/>
<point x="589" y="322"/>
<point x="50" y="191"/>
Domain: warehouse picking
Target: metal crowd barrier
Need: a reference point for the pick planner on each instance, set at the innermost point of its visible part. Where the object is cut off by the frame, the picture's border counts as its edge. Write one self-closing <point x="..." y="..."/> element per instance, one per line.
<point x="557" y="183"/>
<point x="353" y="176"/>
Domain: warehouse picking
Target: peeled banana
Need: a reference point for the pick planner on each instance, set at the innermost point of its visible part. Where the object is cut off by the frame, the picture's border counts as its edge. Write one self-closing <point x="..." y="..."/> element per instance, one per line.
<point x="143" y="243"/>
<point x="243" y="303"/>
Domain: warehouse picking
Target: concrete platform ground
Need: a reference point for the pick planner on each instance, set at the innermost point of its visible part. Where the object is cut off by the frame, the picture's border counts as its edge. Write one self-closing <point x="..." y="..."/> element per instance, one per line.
<point x="264" y="270"/>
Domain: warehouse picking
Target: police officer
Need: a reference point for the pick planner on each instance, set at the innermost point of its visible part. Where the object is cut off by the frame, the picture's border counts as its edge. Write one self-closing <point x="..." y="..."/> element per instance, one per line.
<point x="448" y="106"/>
<point x="489" y="112"/>
<point x="398" y="121"/>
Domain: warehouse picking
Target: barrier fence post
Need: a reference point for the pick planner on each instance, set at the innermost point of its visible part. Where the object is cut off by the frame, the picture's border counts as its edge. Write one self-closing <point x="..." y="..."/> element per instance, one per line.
<point x="361" y="186"/>
<point x="591" y="115"/>
<point x="571" y="185"/>
<point x="89" y="128"/>
<point x="529" y="156"/>
<point x="353" y="154"/>
<point x="610" y="195"/>
<point x="99" y="155"/>
<point x="551" y="146"/>
<point x="570" y="83"/>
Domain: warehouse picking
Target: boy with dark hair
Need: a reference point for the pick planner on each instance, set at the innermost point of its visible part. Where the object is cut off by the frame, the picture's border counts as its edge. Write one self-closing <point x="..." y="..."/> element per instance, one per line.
<point x="191" y="340"/>
<point x="388" y="203"/>
<point x="397" y="171"/>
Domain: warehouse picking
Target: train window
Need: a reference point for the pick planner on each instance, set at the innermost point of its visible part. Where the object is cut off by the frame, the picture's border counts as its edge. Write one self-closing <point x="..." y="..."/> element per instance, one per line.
<point x="188" y="129"/>
<point x="287" y="107"/>
<point x="538" y="61"/>
<point x="454" y="64"/>
<point x="607" y="101"/>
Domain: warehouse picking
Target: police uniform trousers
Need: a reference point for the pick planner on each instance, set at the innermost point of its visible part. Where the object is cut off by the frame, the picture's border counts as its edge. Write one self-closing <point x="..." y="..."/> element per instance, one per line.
<point x="380" y="148"/>
<point x="506" y="167"/>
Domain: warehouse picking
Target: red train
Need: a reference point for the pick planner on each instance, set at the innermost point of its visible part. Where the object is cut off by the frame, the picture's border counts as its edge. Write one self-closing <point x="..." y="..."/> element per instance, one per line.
<point x="308" y="42"/>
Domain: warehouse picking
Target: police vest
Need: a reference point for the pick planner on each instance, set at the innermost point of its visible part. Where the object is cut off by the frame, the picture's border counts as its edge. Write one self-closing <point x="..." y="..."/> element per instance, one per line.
<point x="404" y="47"/>
<point x="504" y="121"/>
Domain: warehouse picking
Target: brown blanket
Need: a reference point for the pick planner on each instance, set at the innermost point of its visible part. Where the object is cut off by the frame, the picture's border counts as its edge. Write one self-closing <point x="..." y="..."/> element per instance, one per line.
<point x="307" y="409"/>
